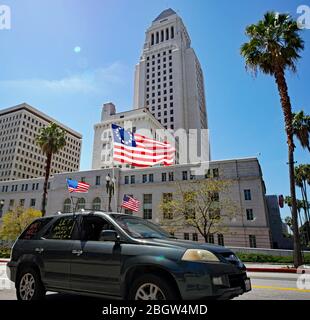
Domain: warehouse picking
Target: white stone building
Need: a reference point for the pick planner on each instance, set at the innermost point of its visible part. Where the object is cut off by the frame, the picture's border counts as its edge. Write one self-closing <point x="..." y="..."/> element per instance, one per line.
<point x="168" y="78"/>
<point x="169" y="93"/>
<point x="20" y="156"/>
<point x="247" y="190"/>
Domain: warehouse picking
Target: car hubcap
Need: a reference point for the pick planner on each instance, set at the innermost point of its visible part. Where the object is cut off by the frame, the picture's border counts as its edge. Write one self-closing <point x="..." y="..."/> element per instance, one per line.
<point x="149" y="291"/>
<point x="27" y="286"/>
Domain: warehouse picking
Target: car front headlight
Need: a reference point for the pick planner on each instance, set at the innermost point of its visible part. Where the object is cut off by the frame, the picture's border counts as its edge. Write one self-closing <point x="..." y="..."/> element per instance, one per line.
<point x="199" y="256"/>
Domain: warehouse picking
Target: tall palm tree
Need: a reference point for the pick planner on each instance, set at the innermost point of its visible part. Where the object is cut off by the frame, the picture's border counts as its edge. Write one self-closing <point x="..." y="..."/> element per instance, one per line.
<point x="51" y="140"/>
<point x="300" y="204"/>
<point x="301" y="128"/>
<point x="274" y="47"/>
<point x="302" y="177"/>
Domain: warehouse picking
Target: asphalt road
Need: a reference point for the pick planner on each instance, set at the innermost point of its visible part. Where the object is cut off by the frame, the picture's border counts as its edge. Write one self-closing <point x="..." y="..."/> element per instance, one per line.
<point x="275" y="286"/>
<point x="266" y="286"/>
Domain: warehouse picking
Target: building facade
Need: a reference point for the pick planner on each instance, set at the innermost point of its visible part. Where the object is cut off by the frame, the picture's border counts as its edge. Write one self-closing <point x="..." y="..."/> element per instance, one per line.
<point x="20" y="156"/>
<point x="250" y="228"/>
<point x="168" y="78"/>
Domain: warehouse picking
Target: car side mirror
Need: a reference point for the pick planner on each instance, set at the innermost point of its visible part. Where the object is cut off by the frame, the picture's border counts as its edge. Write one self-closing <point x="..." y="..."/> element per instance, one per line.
<point x="109" y="235"/>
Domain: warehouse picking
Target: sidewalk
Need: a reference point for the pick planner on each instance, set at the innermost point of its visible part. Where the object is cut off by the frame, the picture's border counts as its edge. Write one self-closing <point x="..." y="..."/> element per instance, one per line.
<point x="280" y="268"/>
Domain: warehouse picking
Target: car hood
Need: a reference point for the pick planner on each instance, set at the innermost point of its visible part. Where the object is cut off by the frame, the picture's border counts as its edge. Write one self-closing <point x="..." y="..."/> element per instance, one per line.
<point x="185" y="244"/>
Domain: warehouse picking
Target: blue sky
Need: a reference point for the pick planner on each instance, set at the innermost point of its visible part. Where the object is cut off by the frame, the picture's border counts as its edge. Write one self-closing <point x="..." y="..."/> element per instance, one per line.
<point x="39" y="65"/>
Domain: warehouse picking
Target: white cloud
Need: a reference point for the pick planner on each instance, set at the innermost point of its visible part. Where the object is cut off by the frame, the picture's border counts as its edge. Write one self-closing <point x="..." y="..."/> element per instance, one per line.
<point x="88" y="82"/>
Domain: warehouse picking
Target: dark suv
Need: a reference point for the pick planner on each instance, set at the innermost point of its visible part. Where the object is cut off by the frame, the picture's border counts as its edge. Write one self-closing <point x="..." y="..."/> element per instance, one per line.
<point x="120" y="256"/>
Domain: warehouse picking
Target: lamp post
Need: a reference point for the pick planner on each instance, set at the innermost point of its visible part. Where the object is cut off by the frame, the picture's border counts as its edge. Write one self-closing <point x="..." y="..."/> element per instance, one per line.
<point x="110" y="183"/>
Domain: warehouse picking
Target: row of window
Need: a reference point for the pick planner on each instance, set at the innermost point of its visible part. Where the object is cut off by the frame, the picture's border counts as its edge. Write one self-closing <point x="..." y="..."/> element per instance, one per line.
<point x="22" y="187"/>
<point x="165" y="106"/>
<point x="159" y="61"/>
<point x="159" y="93"/>
<point x="21" y="203"/>
<point x="220" y="239"/>
<point x="81" y="204"/>
<point x="162" y="35"/>
<point x="149" y="178"/>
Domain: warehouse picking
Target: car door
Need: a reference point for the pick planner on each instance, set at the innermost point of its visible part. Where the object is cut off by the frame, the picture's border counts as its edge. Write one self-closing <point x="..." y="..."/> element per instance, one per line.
<point x="29" y="245"/>
<point x="95" y="265"/>
<point x="55" y="248"/>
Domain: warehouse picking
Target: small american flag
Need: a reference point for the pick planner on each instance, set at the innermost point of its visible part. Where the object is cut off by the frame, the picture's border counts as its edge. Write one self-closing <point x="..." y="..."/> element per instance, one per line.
<point x="76" y="186"/>
<point x="130" y="203"/>
<point x="140" y="151"/>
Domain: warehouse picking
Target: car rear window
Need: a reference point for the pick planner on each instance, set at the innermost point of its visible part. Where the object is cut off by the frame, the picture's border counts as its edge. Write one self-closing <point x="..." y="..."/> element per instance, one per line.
<point x="33" y="229"/>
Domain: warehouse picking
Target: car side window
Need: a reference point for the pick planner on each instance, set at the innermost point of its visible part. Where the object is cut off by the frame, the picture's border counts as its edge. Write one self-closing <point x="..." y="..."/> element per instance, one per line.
<point x="92" y="227"/>
<point x="34" y="228"/>
<point x="62" y="229"/>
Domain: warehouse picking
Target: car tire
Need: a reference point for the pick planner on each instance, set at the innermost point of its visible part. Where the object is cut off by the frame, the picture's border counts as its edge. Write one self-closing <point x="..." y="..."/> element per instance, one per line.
<point x="29" y="285"/>
<point x="152" y="287"/>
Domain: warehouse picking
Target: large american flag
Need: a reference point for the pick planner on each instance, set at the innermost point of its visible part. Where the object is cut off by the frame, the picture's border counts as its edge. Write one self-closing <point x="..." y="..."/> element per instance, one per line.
<point x="140" y="151"/>
<point x="130" y="203"/>
<point x="76" y="186"/>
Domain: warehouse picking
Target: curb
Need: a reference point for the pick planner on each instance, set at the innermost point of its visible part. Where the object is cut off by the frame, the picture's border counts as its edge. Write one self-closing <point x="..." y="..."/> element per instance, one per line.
<point x="4" y="260"/>
<point x="278" y="270"/>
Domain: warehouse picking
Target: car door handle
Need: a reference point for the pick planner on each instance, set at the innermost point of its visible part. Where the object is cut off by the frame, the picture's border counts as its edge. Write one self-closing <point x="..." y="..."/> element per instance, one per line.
<point x="77" y="252"/>
<point x="39" y="250"/>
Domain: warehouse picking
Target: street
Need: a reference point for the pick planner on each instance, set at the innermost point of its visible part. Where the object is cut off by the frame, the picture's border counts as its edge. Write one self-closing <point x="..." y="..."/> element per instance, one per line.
<point x="266" y="286"/>
<point x="274" y="286"/>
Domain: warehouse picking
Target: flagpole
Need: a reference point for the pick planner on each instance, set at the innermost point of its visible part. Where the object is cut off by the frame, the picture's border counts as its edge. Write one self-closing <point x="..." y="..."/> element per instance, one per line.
<point x="114" y="182"/>
<point x="113" y="173"/>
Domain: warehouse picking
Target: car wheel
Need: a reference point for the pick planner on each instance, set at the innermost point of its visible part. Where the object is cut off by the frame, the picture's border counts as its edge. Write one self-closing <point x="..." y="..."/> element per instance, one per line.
<point x="29" y="285"/>
<point x="152" y="287"/>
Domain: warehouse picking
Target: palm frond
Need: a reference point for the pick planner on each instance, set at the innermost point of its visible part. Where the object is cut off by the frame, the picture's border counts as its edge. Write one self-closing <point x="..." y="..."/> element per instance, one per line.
<point x="273" y="42"/>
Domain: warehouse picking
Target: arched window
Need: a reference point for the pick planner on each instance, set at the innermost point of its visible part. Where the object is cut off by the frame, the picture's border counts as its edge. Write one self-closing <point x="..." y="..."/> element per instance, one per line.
<point x="80" y="204"/>
<point x="152" y="39"/>
<point x="157" y="37"/>
<point x="162" y="36"/>
<point x="67" y="206"/>
<point x="97" y="204"/>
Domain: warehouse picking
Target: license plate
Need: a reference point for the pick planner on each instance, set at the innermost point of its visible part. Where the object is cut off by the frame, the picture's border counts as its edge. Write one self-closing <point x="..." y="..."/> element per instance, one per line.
<point x="247" y="284"/>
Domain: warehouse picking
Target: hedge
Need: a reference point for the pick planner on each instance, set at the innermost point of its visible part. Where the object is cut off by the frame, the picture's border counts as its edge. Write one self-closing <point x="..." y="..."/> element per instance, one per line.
<point x="260" y="258"/>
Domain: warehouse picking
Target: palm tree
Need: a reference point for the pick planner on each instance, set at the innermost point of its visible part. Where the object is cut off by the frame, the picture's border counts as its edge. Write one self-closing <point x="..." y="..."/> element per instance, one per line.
<point x="301" y="128"/>
<point x="301" y="204"/>
<point x="274" y="46"/>
<point x="51" y="140"/>
<point x="302" y="178"/>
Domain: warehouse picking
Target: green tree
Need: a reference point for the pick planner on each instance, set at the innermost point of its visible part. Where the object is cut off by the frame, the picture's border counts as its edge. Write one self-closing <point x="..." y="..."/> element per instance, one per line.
<point x="274" y="46"/>
<point x="302" y="179"/>
<point x="301" y="128"/>
<point x="304" y="225"/>
<point x="15" y="221"/>
<point x="203" y="205"/>
<point x="51" y="140"/>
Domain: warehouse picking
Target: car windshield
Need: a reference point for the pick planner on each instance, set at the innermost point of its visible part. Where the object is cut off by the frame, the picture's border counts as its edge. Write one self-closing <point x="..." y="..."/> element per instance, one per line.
<point x="140" y="228"/>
